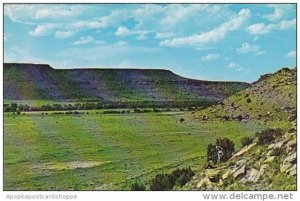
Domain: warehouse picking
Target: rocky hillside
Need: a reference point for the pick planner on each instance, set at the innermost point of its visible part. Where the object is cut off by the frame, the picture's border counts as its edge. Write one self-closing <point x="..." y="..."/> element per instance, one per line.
<point x="267" y="162"/>
<point x="255" y="167"/>
<point x="272" y="97"/>
<point x="30" y="81"/>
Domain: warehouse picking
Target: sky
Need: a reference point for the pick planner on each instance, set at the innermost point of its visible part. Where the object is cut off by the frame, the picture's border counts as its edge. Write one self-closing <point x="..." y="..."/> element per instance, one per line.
<point x="237" y="42"/>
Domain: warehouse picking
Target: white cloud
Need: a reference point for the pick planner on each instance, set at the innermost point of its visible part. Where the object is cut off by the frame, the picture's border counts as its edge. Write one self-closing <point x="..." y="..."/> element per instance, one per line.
<point x="162" y="35"/>
<point x="163" y="18"/>
<point x="124" y="31"/>
<point x="120" y="43"/>
<point x="60" y="12"/>
<point x="291" y="54"/>
<point x="213" y="35"/>
<point x="260" y="53"/>
<point x="36" y="13"/>
<point x="60" y="20"/>
<point x="43" y="29"/>
<point x="232" y="65"/>
<point x="279" y="12"/>
<point x="178" y="13"/>
<point x="64" y="34"/>
<point x="141" y="37"/>
<point x="87" y="40"/>
<point x="287" y="24"/>
<point x="261" y="28"/>
<point x="210" y="57"/>
<point x="247" y="48"/>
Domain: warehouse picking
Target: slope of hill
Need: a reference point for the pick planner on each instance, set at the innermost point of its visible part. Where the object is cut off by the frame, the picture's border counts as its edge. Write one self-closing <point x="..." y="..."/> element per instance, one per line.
<point x="272" y="97"/>
<point x="255" y="167"/>
<point x="34" y="81"/>
<point x="269" y="163"/>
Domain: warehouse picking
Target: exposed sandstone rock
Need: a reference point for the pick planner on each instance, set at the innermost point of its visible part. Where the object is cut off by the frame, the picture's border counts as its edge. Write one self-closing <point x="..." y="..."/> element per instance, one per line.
<point x="240" y="172"/>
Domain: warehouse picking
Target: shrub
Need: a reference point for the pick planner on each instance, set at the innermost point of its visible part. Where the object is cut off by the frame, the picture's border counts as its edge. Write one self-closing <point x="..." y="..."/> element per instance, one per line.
<point x="292" y="130"/>
<point x="160" y="183"/>
<point x="165" y="182"/>
<point x="248" y="100"/>
<point x="228" y="149"/>
<point x="268" y="136"/>
<point x="181" y="176"/>
<point x="246" y="141"/>
<point x="137" y="186"/>
<point x="211" y="153"/>
<point x="277" y="151"/>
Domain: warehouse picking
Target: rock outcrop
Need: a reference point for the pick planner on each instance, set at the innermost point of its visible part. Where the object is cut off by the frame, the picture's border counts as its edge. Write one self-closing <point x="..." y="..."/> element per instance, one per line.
<point x="254" y="167"/>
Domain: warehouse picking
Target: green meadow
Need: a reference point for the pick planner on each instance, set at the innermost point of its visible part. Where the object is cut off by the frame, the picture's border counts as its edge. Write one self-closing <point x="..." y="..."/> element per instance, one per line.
<point x="98" y="151"/>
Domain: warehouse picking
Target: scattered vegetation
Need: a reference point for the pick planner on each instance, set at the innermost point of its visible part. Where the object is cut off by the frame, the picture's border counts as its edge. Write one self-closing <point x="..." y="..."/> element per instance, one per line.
<point x="165" y="182"/>
<point x="138" y="186"/>
<point x="246" y="141"/>
<point x="268" y="136"/>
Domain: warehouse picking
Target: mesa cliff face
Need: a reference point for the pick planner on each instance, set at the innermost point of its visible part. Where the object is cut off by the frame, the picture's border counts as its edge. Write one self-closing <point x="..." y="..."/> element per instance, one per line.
<point x="35" y="81"/>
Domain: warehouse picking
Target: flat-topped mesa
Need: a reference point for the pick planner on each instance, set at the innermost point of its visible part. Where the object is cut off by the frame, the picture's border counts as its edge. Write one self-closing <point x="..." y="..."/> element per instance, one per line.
<point x="40" y="81"/>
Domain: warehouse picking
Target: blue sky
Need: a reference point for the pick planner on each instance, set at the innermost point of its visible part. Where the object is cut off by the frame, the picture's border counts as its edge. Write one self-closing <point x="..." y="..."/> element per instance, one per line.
<point x="201" y="41"/>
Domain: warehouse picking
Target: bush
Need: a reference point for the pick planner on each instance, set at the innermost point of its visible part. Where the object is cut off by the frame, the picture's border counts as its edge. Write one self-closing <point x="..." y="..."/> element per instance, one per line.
<point x="228" y="149"/>
<point x="137" y="186"/>
<point x="165" y="182"/>
<point x="246" y="141"/>
<point x="211" y="153"/>
<point x="292" y="130"/>
<point x="268" y="136"/>
<point x="277" y="151"/>
<point x="161" y="182"/>
<point x="181" y="176"/>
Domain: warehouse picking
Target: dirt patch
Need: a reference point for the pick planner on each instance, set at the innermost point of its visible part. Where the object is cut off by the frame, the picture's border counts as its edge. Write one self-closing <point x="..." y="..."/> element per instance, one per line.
<point x="70" y="165"/>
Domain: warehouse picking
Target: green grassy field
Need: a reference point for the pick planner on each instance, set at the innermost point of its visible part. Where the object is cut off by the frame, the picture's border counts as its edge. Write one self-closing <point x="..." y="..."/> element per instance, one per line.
<point x="105" y="151"/>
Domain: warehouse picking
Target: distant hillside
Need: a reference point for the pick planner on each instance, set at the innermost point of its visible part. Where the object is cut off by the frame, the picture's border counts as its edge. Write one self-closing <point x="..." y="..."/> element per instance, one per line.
<point x="272" y="97"/>
<point x="36" y="81"/>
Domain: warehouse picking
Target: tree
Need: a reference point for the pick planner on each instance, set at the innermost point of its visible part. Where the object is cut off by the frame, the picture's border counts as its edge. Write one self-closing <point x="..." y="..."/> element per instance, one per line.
<point x="18" y="111"/>
<point x="227" y="146"/>
<point x="13" y="107"/>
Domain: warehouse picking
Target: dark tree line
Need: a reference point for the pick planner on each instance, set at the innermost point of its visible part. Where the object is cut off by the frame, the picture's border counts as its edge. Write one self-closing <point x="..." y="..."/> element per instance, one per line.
<point x="190" y="105"/>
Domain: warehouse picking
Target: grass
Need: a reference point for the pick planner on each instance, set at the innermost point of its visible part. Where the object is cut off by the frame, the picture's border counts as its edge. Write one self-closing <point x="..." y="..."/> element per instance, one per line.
<point x="106" y="151"/>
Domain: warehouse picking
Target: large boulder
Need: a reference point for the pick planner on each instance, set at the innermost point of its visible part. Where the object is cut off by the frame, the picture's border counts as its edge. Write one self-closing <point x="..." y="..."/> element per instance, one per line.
<point x="263" y="169"/>
<point x="213" y="175"/>
<point x="276" y="145"/>
<point x="288" y="162"/>
<point x="205" y="183"/>
<point x="240" y="172"/>
<point x="226" y="175"/>
<point x="243" y="151"/>
<point x="252" y="176"/>
<point x="292" y="171"/>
